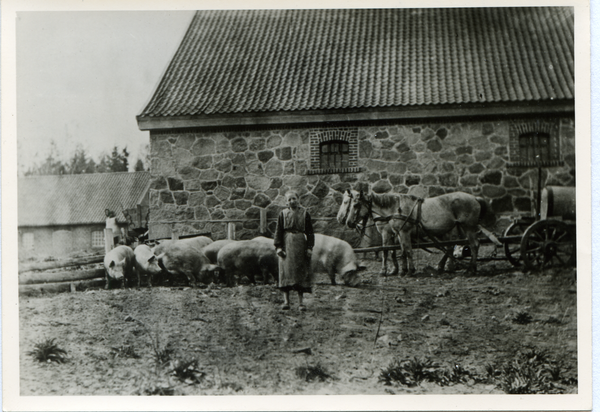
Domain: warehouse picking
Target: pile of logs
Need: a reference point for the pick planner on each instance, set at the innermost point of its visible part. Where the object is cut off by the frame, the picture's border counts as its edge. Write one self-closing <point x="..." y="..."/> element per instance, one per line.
<point x="31" y="281"/>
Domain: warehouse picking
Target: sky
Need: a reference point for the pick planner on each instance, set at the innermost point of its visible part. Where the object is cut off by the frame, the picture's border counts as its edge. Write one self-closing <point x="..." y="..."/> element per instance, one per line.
<point x="83" y="76"/>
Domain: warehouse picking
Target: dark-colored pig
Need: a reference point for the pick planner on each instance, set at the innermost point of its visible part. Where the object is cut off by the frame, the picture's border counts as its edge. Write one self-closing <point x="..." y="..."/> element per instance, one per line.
<point x="212" y="249"/>
<point x="250" y="258"/>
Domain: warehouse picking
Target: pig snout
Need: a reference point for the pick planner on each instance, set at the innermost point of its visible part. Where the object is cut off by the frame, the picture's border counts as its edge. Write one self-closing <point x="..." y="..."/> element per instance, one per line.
<point x="351" y="278"/>
<point x="116" y="275"/>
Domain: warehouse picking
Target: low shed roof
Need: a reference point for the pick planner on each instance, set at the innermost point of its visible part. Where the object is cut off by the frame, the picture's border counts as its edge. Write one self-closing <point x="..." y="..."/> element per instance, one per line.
<point x="78" y="199"/>
<point x="254" y="61"/>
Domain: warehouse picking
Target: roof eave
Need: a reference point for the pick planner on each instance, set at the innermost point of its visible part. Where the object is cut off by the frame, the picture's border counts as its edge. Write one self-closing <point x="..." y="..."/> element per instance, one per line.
<point x="358" y="115"/>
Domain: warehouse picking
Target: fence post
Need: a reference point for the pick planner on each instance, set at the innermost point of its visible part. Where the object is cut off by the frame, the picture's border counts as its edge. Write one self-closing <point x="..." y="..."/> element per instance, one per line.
<point x="263" y="221"/>
<point x="139" y="215"/>
<point x="231" y="231"/>
<point x="109" y="241"/>
<point x="174" y="235"/>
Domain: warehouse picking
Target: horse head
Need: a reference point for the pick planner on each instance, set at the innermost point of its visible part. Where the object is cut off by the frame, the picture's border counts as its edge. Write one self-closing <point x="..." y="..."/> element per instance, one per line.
<point x="359" y="208"/>
<point x="342" y="215"/>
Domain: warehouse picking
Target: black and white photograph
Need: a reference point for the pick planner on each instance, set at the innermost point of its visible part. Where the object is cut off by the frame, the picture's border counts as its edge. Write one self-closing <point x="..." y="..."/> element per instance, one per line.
<point x="203" y="205"/>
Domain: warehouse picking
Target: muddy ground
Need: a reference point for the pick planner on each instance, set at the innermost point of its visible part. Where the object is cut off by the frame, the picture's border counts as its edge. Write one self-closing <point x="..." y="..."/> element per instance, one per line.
<point x="237" y="341"/>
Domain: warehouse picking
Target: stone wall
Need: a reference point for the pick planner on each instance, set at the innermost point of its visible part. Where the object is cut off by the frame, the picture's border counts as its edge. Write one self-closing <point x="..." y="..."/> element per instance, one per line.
<point x="202" y="180"/>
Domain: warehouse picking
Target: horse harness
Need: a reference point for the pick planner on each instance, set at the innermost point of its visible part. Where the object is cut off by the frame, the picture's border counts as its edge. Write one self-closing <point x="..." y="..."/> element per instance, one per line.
<point x="407" y="219"/>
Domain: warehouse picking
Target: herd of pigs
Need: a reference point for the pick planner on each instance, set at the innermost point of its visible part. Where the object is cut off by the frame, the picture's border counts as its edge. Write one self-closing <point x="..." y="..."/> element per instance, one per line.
<point x="203" y="261"/>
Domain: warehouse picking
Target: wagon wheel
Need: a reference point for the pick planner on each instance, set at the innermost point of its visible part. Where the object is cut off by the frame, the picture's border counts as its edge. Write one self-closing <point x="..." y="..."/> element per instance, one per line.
<point x="548" y="243"/>
<point x="512" y="251"/>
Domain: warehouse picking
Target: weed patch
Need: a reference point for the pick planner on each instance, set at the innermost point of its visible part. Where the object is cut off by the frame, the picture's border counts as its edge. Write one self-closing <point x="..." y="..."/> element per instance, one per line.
<point x="311" y="373"/>
<point x="48" y="351"/>
<point x="522" y="318"/>
<point x="124" y="351"/>
<point x="411" y="372"/>
<point x="186" y="370"/>
<point x="531" y="372"/>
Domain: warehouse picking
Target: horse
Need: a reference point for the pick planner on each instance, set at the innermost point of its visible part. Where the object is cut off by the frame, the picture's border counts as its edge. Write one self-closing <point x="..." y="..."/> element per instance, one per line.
<point x="434" y="217"/>
<point x="388" y="237"/>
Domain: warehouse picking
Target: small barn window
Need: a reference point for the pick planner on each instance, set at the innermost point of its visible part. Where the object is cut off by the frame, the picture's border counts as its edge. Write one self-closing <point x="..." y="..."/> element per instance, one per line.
<point x="334" y="154"/>
<point x="534" y="147"/>
<point x="28" y="241"/>
<point x="535" y="143"/>
<point x="98" y="238"/>
<point x="334" y="150"/>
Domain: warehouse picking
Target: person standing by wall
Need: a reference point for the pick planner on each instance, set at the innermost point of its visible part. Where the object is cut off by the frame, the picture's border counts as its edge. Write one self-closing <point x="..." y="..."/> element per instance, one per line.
<point x="112" y="223"/>
<point x="294" y="240"/>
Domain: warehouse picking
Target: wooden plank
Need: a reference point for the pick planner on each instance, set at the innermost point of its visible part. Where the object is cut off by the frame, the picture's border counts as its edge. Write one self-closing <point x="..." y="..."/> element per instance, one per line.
<point x="26" y="290"/>
<point x="231" y="231"/>
<point x="431" y="245"/>
<point x="60" y="264"/>
<point x="263" y="221"/>
<point x="53" y="277"/>
<point x="109" y="241"/>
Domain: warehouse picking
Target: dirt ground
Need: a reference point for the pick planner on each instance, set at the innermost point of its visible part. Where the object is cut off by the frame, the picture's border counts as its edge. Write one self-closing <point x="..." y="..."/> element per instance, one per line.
<point x="237" y="341"/>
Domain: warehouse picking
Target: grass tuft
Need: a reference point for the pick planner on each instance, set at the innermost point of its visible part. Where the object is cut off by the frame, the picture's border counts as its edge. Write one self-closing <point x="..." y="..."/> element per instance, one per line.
<point x="522" y="318"/>
<point x="186" y="370"/>
<point x="48" y="351"/>
<point x="124" y="351"/>
<point x="411" y="372"/>
<point x="532" y="371"/>
<point x="311" y="373"/>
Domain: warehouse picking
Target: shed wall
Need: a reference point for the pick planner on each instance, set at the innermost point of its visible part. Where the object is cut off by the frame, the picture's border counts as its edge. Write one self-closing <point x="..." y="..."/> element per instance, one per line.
<point x="58" y="241"/>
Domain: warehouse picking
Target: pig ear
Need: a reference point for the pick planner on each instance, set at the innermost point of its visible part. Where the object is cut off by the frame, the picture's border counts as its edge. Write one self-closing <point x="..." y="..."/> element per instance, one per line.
<point x="112" y="264"/>
<point x="153" y="257"/>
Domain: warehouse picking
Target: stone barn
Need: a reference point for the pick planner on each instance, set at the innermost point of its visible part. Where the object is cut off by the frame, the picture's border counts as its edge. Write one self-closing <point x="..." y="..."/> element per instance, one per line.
<point x="61" y="215"/>
<point x="422" y="101"/>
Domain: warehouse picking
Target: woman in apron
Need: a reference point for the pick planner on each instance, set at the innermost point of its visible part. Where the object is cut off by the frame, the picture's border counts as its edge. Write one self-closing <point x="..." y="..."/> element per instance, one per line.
<point x="294" y="240"/>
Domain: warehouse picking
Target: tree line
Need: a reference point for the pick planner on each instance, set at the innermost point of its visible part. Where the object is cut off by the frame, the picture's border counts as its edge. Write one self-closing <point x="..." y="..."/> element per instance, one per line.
<point x="81" y="162"/>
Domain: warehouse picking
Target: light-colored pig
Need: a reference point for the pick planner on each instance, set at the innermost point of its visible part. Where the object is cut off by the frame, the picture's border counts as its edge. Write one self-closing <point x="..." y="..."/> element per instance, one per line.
<point x="146" y="263"/>
<point x="335" y="256"/>
<point x="198" y="242"/>
<point x="119" y="266"/>
<point x="182" y="258"/>
<point x="212" y="249"/>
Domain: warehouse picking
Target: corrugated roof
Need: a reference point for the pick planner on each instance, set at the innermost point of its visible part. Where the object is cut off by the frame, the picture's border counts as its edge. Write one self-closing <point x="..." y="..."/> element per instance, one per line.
<point x="243" y="61"/>
<point x="78" y="199"/>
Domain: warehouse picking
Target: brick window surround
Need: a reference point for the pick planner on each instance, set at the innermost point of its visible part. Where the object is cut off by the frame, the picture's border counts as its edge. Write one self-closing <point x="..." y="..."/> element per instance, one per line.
<point x="345" y="134"/>
<point x="522" y="129"/>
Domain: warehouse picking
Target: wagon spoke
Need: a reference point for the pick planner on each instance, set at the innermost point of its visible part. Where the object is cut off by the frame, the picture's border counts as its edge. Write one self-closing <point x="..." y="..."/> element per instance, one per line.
<point x="547" y="243"/>
<point x="512" y="251"/>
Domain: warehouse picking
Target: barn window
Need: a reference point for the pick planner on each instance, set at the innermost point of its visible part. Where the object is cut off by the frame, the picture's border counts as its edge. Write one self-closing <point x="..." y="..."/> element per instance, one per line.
<point x="98" y="238"/>
<point x="28" y="241"/>
<point x="535" y="147"/>
<point x="535" y="143"/>
<point x="334" y="151"/>
<point x="334" y="154"/>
